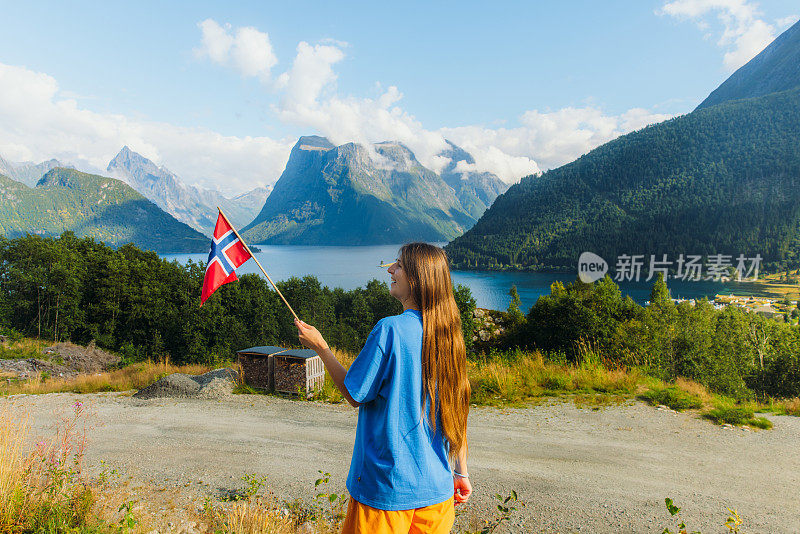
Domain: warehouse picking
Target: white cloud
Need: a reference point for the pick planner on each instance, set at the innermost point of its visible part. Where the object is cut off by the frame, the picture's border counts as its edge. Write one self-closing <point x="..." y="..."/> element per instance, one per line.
<point x="365" y="121"/>
<point x="311" y="72"/>
<point x="217" y="42"/>
<point x="543" y="140"/>
<point x="784" y="22"/>
<point x="745" y="33"/>
<point x="15" y="152"/>
<point x="247" y="49"/>
<point x="492" y="159"/>
<point x="307" y="97"/>
<point x="37" y="123"/>
<point x="550" y="138"/>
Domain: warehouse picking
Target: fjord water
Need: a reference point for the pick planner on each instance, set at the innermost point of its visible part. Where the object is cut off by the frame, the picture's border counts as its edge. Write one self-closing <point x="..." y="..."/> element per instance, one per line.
<point x="349" y="267"/>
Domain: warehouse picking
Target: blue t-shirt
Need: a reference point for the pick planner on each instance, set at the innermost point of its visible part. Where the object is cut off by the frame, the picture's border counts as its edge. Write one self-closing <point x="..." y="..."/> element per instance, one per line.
<point x="399" y="462"/>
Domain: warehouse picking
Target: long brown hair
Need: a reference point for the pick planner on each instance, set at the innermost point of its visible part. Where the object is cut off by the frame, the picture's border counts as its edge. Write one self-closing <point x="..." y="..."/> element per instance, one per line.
<point x="444" y="359"/>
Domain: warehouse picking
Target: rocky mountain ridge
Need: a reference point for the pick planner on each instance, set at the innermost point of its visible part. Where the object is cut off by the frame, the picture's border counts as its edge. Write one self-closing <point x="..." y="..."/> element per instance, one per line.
<point x="194" y="206"/>
<point x="353" y="194"/>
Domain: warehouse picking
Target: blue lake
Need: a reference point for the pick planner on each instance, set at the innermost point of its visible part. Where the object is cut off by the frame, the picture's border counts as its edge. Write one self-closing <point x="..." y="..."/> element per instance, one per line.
<point x="350" y="267"/>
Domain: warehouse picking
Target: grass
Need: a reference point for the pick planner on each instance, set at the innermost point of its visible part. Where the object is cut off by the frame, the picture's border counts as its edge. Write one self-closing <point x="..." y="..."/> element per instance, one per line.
<point x="771" y="286"/>
<point x="688" y="395"/>
<point x="22" y="348"/>
<point x="134" y="376"/>
<point x="526" y="377"/>
<point x="673" y="396"/>
<point x="249" y="517"/>
<point x="727" y="412"/>
<point x="781" y="406"/>
<point x="518" y="378"/>
<point x="330" y="393"/>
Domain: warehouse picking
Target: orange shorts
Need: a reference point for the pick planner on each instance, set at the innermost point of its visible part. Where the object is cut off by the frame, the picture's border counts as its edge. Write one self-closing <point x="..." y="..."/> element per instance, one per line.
<point x="434" y="519"/>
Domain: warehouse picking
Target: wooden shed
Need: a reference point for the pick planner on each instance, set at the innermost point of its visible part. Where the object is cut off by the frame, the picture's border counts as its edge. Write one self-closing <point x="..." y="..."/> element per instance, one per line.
<point x="298" y="371"/>
<point x="257" y="366"/>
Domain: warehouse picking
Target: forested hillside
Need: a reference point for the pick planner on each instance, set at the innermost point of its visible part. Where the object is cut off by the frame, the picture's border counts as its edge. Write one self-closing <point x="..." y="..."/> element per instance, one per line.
<point x="90" y="205"/>
<point x="724" y="179"/>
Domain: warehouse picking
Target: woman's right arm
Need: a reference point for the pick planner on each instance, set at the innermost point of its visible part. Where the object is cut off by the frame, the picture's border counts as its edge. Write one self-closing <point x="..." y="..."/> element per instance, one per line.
<point x="310" y="337"/>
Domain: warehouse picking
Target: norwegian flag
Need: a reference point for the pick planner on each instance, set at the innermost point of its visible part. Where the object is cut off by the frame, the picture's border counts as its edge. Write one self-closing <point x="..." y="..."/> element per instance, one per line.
<point x="227" y="253"/>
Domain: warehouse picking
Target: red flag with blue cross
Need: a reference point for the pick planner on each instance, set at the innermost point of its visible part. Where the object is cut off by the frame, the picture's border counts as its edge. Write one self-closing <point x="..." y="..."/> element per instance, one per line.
<point x="227" y="253"/>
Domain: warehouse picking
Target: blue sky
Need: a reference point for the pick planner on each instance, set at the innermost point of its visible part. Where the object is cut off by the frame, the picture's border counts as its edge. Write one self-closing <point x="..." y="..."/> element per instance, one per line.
<point x="523" y="85"/>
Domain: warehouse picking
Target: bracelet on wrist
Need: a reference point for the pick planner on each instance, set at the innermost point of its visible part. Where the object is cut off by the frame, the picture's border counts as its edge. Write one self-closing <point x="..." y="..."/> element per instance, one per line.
<point x="459" y="475"/>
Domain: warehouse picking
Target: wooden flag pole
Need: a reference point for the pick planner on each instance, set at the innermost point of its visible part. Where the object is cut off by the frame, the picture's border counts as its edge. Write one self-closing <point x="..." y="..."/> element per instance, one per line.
<point x="258" y="263"/>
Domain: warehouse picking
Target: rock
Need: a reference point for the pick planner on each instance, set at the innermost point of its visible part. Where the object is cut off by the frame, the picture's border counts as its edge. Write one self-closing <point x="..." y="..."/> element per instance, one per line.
<point x="212" y="385"/>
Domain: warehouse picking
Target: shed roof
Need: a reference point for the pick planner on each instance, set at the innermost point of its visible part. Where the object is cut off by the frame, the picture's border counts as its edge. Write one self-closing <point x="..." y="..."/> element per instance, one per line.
<point x="298" y="353"/>
<point x="264" y="351"/>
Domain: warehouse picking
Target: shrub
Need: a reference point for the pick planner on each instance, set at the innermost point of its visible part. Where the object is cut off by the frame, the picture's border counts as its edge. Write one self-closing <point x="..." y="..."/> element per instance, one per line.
<point x="674" y="397"/>
<point x="733" y="415"/>
<point x="760" y="422"/>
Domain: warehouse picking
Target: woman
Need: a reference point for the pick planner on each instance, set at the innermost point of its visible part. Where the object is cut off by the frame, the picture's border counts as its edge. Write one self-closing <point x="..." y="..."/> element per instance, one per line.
<point x="410" y="385"/>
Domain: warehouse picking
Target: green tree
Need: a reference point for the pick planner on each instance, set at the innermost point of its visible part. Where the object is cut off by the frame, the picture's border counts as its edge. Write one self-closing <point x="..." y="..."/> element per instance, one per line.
<point x="514" y="313"/>
<point x="466" y="308"/>
<point x="659" y="295"/>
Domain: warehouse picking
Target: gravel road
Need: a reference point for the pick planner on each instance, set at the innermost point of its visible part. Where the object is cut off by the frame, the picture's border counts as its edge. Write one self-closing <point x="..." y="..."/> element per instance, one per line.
<point x="577" y="470"/>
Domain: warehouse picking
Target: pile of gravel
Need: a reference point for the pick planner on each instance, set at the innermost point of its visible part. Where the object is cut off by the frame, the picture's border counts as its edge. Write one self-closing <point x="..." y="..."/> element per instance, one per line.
<point x="65" y="360"/>
<point x="215" y="384"/>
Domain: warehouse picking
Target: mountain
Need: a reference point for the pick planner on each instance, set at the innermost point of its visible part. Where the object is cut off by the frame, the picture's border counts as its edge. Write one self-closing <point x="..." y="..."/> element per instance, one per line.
<point x="254" y="199"/>
<point x="194" y="206"/>
<point x="475" y="190"/>
<point x="29" y="173"/>
<point x="724" y="179"/>
<point x="345" y="195"/>
<point x="775" y="69"/>
<point x="90" y="205"/>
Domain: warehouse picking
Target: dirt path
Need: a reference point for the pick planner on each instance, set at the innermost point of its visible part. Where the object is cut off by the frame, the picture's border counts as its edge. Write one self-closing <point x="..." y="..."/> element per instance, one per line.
<point x="578" y="470"/>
